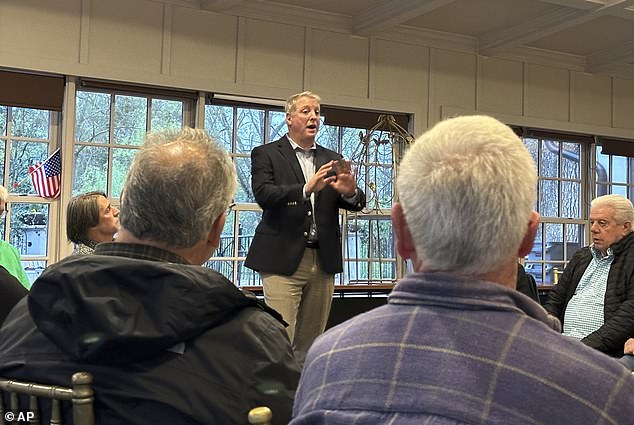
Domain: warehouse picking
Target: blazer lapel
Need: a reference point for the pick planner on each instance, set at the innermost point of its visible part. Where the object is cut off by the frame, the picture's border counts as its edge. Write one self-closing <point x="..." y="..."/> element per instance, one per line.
<point x="320" y="157"/>
<point x="289" y="154"/>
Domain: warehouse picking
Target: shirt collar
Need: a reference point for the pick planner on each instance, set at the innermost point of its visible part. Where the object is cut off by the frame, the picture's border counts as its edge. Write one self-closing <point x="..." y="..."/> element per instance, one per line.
<point x="295" y="146"/>
<point x="138" y="251"/>
<point x="597" y="254"/>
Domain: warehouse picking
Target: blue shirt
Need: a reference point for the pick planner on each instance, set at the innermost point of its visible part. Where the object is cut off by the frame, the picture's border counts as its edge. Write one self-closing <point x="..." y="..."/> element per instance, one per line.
<point x="584" y="312"/>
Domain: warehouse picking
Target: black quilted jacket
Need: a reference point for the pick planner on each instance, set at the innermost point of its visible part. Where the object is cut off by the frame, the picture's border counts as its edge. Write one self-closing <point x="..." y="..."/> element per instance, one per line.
<point x="618" y="309"/>
<point x="166" y="343"/>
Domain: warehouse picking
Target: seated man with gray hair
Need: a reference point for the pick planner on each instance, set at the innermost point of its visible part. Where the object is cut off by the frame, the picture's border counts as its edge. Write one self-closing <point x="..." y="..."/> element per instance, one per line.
<point x="166" y="340"/>
<point x="594" y="299"/>
<point x="456" y="343"/>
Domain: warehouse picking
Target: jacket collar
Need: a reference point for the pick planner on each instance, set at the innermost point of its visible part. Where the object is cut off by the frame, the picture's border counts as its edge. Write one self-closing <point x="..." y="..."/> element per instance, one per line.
<point x="625" y="243"/>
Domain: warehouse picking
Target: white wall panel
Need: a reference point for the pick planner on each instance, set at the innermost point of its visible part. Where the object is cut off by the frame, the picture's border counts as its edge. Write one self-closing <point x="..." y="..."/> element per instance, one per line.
<point x="339" y="64"/>
<point x="274" y="55"/>
<point x="453" y="81"/>
<point x="590" y="99"/>
<point x="500" y="86"/>
<point x="41" y="28"/>
<point x="623" y="103"/>
<point x="401" y="72"/>
<point x="204" y="45"/>
<point x="547" y="92"/>
<point x="126" y="34"/>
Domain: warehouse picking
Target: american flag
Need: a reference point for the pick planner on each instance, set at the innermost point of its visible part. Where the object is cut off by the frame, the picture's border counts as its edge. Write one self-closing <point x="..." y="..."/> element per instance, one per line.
<point x="46" y="176"/>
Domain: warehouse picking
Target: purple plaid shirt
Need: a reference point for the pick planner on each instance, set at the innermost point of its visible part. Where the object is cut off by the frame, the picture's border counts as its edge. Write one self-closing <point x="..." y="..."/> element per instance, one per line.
<point x="452" y="351"/>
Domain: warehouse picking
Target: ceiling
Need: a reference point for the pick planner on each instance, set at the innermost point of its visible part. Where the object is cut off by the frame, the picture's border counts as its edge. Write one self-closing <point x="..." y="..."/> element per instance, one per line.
<point x="587" y="35"/>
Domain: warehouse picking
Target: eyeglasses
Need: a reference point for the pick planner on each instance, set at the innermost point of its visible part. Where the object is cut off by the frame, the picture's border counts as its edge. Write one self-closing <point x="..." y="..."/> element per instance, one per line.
<point x="230" y="207"/>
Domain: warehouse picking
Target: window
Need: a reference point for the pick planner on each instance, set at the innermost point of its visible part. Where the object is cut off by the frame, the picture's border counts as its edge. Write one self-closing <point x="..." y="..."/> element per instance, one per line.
<point x="110" y="127"/>
<point x="368" y="242"/>
<point x="614" y="174"/>
<point x="560" y="201"/>
<point x="28" y="136"/>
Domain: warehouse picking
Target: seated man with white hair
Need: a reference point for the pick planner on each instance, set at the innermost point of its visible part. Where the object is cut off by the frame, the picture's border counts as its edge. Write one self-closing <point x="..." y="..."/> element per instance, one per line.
<point x="594" y="299"/>
<point x="456" y="343"/>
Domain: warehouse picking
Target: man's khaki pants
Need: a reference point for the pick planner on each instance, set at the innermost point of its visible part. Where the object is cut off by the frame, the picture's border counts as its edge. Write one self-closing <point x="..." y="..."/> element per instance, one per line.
<point x="303" y="299"/>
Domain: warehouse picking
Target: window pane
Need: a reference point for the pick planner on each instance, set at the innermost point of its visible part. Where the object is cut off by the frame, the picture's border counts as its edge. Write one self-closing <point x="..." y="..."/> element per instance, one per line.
<point x="23" y="155"/>
<point x="571" y="199"/>
<point x="250" y="129"/>
<point x="533" y="147"/>
<point x="247" y="277"/>
<point x="534" y="260"/>
<point x="619" y="169"/>
<point x="574" y="239"/>
<point x="130" y="118"/>
<point x="219" y="124"/>
<point x="244" y="192"/>
<point x="369" y="250"/>
<point x="382" y="238"/>
<point x="553" y="249"/>
<point x="3" y="120"/>
<point x="277" y="125"/>
<point x="603" y="166"/>
<point x="34" y="269"/>
<point x="3" y="221"/>
<point x="571" y="161"/>
<point x="91" y="169"/>
<point x="384" y="151"/>
<point x="550" y="159"/>
<point x="227" y="239"/>
<point x="29" y="228"/>
<point x="619" y="190"/>
<point x="224" y="267"/>
<point x="166" y="114"/>
<point x="8" y="185"/>
<point x="248" y="221"/>
<point x="92" y="117"/>
<point x="381" y="185"/>
<point x="351" y="142"/>
<point x="328" y="137"/>
<point x="31" y="123"/>
<point x="549" y="202"/>
<point x="121" y="161"/>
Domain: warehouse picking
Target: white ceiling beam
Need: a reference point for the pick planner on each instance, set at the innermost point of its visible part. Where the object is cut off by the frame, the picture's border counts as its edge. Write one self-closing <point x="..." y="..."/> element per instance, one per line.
<point x="577" y="4"/>
<point x="608" y="58"/>
<point x="218" y="5"/>
<point x="553" y="21"/>
<point x="623" y="12"/>
<point x="389" y="14"/>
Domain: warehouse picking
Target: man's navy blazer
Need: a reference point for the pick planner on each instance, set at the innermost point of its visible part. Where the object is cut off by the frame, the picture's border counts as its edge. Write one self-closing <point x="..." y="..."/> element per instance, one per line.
<point x="280" y="238"/>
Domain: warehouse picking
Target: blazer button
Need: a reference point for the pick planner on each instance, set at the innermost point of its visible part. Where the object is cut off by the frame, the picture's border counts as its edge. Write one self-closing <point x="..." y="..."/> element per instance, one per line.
<point x="309" y="213"/>
<point x="306" y="234"/>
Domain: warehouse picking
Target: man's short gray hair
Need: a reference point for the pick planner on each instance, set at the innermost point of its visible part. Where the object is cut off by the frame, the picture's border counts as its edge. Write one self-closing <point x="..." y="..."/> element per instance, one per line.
<point x="467" y="187"/>
<point x="179" y="183"/>
<point x="623" y="209"/>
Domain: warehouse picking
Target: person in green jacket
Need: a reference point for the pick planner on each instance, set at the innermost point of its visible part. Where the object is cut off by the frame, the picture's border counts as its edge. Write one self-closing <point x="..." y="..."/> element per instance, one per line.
<point x="9" y="255"/>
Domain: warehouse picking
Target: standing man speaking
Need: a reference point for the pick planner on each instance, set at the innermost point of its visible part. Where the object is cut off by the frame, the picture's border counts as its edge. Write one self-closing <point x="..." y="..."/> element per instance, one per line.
<point x="300" y="187"/>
